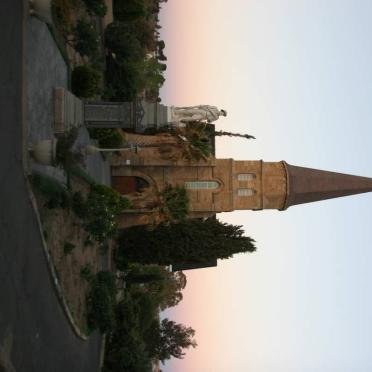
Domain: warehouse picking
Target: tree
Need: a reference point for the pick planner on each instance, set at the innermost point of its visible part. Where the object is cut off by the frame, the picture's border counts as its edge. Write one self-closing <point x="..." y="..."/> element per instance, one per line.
<point x="125" y="79"/>
<point x="97" y="7"/>
<point x="164" y="286"/>
<point x="154" y="76"/>
<point x="120" y="40"/>
<point x="169" y="339"/>
<point x="86" y="40"/>
<point x="189" y="241"/>
<point x="129" y="10"/>
<point x="144" y="32"/>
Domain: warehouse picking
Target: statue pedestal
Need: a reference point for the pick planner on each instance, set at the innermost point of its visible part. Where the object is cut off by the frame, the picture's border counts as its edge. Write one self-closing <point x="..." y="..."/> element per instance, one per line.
<point x="137" y="116"/>
<point x="68" y="111"/>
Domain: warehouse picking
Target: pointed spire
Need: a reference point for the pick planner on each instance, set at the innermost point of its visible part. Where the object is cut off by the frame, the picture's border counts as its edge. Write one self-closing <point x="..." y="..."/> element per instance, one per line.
<point x="306" y="185"/>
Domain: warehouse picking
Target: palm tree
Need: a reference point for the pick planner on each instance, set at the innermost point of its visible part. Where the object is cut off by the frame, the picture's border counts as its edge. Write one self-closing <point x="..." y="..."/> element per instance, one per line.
<point x="222" y="133"/>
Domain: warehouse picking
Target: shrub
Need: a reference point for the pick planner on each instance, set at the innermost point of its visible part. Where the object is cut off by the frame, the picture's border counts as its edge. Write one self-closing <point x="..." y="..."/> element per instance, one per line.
<point x="87" y="39"/>
<point x="68" y="248"/>
<point x="97" y="7"/>
<point x="84" y="81"/>
<point x="103" y="205"/>
<point x="55" y="192"/>
<point x="107" y="137"/>
<point x="101" y="302"/>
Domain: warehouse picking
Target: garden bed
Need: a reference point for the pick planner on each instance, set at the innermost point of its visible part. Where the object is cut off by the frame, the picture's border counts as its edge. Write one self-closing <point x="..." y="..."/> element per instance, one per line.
<point x="75" y="255"/>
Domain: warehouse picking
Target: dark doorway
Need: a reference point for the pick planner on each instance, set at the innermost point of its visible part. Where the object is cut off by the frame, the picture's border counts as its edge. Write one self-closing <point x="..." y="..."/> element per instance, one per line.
<point x="129" y="184"/>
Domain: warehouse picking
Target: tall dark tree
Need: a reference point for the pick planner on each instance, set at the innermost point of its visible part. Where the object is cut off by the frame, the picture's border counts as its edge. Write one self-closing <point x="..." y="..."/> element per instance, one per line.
<point x="168" y="339"/>
<point x="191" y="241"/>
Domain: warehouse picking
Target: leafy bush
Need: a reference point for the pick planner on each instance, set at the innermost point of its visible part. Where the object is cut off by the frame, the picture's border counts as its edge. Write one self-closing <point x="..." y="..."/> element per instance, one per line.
<point x="97" y="7"/>
<point x="175" y="202"/>
<point x="87" y="39"/>
<point x="107" y="137"/>
<point x="101" y="302"/>
<point x="84" y="81"/>
<point x="55" y="192"/>
<point x="102" y="206"/>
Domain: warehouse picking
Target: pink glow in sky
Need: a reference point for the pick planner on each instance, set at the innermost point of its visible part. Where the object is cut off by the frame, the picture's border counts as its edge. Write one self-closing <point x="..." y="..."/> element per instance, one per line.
<point x="297" y="75"/>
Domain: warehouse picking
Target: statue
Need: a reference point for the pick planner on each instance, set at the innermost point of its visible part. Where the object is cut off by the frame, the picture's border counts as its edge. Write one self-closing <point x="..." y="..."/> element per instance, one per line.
<point x="201" y="113"/>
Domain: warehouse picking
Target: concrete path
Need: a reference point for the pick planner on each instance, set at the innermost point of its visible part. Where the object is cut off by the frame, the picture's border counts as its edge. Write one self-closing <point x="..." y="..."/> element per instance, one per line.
<point x="45" y="69"/>
<point x="34" y="333"/>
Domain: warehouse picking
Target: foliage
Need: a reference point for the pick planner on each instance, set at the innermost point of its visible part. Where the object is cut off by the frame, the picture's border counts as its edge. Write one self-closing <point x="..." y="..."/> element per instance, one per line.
<point x="101" y="302"/>
<point x="189" y="241"/>
<point x="78" y="205"/>
<point x="66" y="157"/>
<point x="144" y="32"/>
<point x="131" y="356"/>
<point x="103" y="204"/>
<point x="56" y="193"/>
<point x="169" y="339"/>
<point x="138" y="336"/>
<point x="160" y="50"/>
<point x="199" y="144"/>
<point x="68" y="248"/>
<point x="86" y="272"/>
<point x="125" y="347"/>
<point x="62" y="11"/>
<point x="87" y="39"/>
<point x="125" y="80"/>
<point x="154" y="76"/>
<point x="176" y="202"/>
<point x="84" y="81"/>
<point x="129" y="10"/>
<point x="97" y="7"/>
<point x="120" y="40"/>
<point x="107" y="137"/>
<point x="229" y="134"/>
<point x="164" y="286"/>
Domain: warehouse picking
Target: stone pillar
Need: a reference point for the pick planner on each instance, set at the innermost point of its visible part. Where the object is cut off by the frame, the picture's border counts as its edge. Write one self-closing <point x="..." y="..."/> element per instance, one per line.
<point x="109" y="115"/>
<point x="137" y="116"/>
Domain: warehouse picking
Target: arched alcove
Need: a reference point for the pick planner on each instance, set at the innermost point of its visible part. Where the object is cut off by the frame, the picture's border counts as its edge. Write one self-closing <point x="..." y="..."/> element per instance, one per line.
<point x="129" y="184"/>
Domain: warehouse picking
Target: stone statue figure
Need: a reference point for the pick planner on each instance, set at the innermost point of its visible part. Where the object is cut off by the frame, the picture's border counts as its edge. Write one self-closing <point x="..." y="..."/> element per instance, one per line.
<point x="204" y="113"/>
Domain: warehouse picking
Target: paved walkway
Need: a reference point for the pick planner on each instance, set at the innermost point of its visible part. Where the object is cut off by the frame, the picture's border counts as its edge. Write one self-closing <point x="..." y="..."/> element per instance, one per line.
<point x="45" y="69"/>
<point x="34" y="333"/>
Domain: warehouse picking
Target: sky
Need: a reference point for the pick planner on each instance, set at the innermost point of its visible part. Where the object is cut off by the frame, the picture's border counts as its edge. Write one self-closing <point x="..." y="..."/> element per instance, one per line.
<point x="297" y="74"/>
